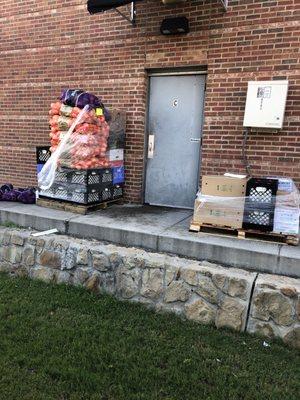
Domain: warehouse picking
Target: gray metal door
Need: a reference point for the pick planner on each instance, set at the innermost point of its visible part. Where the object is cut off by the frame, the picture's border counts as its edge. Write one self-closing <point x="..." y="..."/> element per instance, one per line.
<point x="174" y="127"/>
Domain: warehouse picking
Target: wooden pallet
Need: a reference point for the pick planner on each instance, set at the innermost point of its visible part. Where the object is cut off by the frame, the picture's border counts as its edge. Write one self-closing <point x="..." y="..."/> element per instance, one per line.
<point x="73" y="207"/>
<point x="245" y="234"/>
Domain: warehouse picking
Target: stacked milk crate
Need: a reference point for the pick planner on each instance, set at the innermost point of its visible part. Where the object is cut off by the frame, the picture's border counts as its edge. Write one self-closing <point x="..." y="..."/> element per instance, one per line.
<point x="116" y="148"/>
<point x="86" y="171"/>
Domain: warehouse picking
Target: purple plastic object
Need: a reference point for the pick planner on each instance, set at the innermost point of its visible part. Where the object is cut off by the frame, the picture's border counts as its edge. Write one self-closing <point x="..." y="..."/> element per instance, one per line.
<point x="8" y="193"/>
<point x="10" y="196"/>
<point x="6" y="188"/>
<point x="79" y="98"/>
<point x="27" y="196"/>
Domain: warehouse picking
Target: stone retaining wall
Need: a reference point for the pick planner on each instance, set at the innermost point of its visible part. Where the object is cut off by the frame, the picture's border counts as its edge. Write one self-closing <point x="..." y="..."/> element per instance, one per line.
<point x="200" y="291"/>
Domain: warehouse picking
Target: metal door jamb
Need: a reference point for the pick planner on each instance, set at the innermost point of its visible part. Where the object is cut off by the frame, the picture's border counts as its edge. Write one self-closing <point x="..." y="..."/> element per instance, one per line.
<point x="178" y="73"/>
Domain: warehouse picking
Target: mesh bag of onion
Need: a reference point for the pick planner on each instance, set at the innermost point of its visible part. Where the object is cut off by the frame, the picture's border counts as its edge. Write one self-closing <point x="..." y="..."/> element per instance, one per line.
<point x="78" y="140"/>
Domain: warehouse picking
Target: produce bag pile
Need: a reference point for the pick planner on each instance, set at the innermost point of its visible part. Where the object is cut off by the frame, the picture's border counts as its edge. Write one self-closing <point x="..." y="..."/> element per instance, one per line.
<point x="87" y="145"/>
<point x="21" y="195"/>
<point x="79" y="134"/>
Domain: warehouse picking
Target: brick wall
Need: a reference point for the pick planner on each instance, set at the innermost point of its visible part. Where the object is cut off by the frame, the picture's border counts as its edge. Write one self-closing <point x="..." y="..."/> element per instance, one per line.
<point x="53" y="44"/>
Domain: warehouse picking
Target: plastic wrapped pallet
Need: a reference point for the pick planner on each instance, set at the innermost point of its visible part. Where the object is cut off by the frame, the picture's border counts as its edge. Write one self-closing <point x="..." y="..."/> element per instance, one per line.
<point x="264" y="204"/>
<point x="79" y="135"/>
<point x="80" y="169"/>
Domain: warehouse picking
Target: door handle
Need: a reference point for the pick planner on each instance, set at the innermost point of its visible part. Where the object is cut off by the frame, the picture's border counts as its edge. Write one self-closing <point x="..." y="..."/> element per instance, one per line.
<point x="151" y="146"/>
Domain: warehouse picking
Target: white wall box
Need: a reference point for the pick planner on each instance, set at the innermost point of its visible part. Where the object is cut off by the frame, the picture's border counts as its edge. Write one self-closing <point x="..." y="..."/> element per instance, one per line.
<point x="265" y="104"/>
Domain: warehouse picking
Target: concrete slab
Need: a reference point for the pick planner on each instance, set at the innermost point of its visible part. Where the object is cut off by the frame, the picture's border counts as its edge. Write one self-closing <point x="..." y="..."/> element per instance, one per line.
<point x="33" y="216"/>
<point x="127" y="225"/>
<point x="289" y="261"/>
<point x="226" y="250"/>
<point x="7" y="205"/>
<point x="138" y="217"/>
<point x="159" y="229"/>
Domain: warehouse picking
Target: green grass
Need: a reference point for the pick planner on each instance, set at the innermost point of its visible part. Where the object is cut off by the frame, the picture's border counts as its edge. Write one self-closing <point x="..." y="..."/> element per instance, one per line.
<point x="9" y="224"/>
<point x="59" y="342"/>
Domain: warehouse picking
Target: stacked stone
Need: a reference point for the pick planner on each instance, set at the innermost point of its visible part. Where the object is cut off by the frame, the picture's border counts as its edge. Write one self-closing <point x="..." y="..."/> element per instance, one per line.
<point x="275" y="308"/>
<point x="200" y="291"/>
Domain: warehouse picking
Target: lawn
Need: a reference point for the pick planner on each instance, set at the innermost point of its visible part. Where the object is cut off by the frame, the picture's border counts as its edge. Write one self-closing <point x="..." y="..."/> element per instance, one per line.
<point x="59" y="342"/>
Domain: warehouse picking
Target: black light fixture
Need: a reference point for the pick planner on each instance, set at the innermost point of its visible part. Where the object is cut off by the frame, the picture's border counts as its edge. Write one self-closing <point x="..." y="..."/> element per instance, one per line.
<point x="175" y="26"/>
<point x="97" y="6"/>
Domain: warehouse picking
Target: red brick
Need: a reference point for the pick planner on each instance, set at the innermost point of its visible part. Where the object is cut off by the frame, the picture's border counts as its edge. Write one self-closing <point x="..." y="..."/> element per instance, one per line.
<point x="47" y="46"/>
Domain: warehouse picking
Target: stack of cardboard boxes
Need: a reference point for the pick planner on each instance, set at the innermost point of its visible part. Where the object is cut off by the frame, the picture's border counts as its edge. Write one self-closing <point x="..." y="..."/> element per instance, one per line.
<point x="287" y="209"/>
<point x="116" y="146"/>
<point x="221" y="203"/>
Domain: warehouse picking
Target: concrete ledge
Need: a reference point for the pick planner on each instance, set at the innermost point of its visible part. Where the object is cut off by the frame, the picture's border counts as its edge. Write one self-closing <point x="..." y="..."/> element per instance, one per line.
<point x="159" y="229"/>
<point x="32" y="216"/>
<point x="254" y="255"/>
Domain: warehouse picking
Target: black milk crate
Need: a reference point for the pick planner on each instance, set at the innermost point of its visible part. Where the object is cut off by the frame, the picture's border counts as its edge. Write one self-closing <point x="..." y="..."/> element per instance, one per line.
<point x="55" y="192"/>
<point x="70" y="187"/>
<point x="42" y="154"/>
<point x="260" y="204"/>
<point x="96" y="195"/>
<point x="100" y="176"/>
<point x="92" y="196"/>
<point x="49" y="193"/>
<point x="83" y="195"/>
<point x="118" y="191"/>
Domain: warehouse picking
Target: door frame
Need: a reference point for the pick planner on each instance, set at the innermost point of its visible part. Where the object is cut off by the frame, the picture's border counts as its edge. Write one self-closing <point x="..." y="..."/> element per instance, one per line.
<point x="201" y="70"/>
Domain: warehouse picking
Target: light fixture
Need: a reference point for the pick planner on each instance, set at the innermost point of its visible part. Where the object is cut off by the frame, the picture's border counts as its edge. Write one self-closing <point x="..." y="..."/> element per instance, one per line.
<point x="167" y="2"/>
<point x="99" y="6"/>
<point x="175" y="26"/>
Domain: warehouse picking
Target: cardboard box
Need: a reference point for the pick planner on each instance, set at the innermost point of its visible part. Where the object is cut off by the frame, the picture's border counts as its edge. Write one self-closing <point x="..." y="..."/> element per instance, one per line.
<point x="116" y="155"/>
<point x="214" y="208"/>
<point x="116" y="140"/>
<point x="285" y="185"/>
<point x="223" y="186"/>
<point x="118" y="121"/>
<point x="117" y="130"/>
<point x="287" y="195"/>
<point x="286" y="220"/>
<point x="212" y="213"/>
